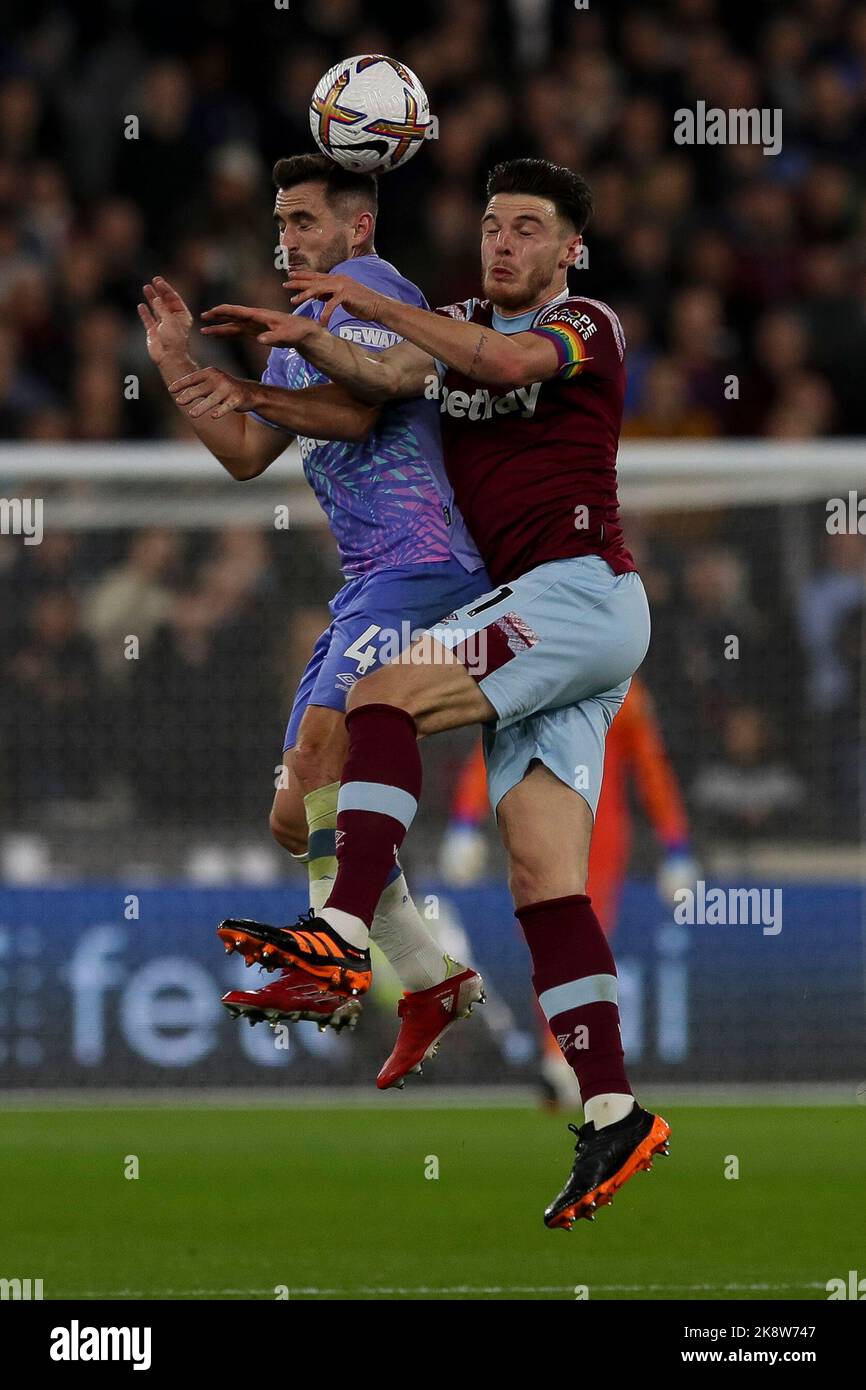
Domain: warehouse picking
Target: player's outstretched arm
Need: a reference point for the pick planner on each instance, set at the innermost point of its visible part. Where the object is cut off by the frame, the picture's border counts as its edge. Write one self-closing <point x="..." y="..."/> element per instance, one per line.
<point x="320" y="412"/>
<point x="373" y="377"/>
<point x="244" y="447"/>
<point x="482" y="354"/>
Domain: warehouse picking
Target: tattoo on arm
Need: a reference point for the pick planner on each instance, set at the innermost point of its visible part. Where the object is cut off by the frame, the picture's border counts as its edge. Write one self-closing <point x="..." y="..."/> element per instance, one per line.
<point x="482" y="339"/>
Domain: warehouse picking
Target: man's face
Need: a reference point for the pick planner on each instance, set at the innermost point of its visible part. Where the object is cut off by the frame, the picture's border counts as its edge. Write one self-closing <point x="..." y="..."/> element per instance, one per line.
<point x="312" y="235"/>
<point x="525" y="248"/>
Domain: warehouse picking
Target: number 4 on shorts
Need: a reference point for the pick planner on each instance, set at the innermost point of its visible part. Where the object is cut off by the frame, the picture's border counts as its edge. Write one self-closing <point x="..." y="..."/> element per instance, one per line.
<point x="367" y="656"/>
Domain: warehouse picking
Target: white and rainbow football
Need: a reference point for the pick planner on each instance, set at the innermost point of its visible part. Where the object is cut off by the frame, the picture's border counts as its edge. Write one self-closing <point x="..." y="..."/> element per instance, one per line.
<point x="369" y="113"/>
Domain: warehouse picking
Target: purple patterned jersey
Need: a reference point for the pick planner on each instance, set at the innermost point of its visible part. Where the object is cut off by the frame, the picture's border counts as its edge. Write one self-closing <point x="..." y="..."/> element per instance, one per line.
<point x="387" y="498"/>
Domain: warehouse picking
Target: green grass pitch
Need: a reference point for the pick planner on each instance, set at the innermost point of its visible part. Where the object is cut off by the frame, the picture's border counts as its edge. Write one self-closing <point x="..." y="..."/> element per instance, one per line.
<point x="231" y="1204"/>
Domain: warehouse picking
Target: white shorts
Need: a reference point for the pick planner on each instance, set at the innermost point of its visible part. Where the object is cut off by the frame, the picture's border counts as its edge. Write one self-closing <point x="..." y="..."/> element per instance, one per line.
<point x="554" y="652"/>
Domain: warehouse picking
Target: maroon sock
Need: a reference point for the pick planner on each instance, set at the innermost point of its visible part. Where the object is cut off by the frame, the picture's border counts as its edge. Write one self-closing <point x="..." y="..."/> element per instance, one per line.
<point x="378" y="798"/>
<point x="574" y="976"/>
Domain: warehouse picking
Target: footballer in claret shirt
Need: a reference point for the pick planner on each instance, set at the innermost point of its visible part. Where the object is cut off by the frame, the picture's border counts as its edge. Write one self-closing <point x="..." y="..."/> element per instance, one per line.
<point x="530" y="383"/>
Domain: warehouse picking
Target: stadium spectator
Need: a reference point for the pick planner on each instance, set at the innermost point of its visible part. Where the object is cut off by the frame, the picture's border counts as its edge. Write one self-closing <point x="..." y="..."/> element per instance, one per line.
<point x="181" y="762"/>
<point x="749" y="791"/>
<point x="51" y="713"/>
<point x="131" y="599"/>
<point x="667" y="412"/>
<point x="727" y="650"/>
<point x="824" y="604"/>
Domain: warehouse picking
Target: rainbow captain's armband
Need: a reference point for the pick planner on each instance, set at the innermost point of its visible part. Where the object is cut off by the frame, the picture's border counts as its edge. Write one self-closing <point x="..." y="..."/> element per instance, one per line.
<point x="570" y="347"/>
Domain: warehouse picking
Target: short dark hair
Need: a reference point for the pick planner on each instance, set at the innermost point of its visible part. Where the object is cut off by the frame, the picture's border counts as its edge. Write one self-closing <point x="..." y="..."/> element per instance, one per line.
<point x="339" y="182"/>
<point x="570" y="194"/>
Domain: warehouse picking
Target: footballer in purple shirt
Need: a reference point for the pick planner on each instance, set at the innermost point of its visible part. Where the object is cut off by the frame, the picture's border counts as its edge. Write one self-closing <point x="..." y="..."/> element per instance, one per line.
<point x="406" y="555"/>
<point x="404" y="548"/>
<point x="387" y="498"/>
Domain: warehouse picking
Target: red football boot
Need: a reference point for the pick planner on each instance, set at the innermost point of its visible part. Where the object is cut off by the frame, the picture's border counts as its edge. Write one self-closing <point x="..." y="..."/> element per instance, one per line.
<point x="293" y="996"/>
<point x="424" y="1015"/>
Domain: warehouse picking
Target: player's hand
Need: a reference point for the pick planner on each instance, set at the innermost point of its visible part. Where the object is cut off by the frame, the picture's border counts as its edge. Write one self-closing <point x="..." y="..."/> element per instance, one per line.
<point x="358" y="300"/>
<point x="266" y="325"/>
<point x="211" y="391"/>
<point x="167" y="320"/>
<point x="462" y="855"/>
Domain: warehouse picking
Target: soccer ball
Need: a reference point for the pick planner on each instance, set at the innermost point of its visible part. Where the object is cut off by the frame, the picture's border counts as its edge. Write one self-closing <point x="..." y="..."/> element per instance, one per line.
<point x="369" y="113"/>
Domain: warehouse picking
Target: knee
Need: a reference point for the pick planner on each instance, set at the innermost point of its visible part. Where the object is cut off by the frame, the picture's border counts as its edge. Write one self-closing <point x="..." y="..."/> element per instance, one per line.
<point x="535" y="879"/>
<point x="314" y="763"/>
<point x="525" y="883"/>
<point x="387" y="686"/>
<point x="290" y="834"/>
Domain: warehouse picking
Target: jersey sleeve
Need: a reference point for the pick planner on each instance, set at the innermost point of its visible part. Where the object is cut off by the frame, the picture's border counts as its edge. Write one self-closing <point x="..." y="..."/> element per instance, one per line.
<point x="275" y="370"/>
<point x="274" y="375"/>
<point x="462" y="311"/>
<point x="587" y="335"/>
<point x="373" y="336"/>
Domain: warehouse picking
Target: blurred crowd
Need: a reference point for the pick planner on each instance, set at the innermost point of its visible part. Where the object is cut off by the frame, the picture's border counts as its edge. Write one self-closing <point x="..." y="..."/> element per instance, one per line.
<point x="740" y="279"/>
<point x="154" y="670"/>
<point x="722" y="261"/>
